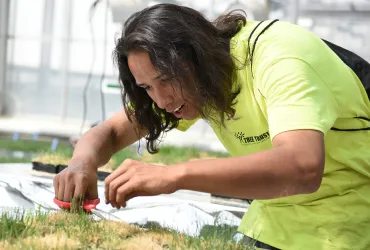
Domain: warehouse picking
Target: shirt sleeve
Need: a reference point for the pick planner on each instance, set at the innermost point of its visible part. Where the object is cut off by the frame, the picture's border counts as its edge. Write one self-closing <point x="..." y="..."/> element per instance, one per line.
<point x="296" y="98"/>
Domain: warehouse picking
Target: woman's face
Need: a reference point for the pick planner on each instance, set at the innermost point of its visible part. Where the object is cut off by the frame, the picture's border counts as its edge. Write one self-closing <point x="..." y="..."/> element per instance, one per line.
<point x="166" y="93"/>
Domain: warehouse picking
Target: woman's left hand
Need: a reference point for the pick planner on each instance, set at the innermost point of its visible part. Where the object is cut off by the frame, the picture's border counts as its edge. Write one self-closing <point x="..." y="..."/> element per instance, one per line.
<point x="135" y="178"/>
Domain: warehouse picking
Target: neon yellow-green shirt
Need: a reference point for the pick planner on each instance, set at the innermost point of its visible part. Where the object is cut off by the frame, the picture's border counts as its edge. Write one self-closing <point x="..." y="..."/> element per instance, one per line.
<point x="299" y="83"/>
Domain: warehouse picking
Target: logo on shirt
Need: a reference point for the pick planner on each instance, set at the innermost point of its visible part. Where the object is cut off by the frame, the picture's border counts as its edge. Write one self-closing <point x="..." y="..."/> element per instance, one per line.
<point x="251" y="139"/>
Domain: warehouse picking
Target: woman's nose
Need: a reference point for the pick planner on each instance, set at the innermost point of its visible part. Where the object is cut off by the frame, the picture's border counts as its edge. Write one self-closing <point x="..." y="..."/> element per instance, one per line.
<point x="164" y="97"/>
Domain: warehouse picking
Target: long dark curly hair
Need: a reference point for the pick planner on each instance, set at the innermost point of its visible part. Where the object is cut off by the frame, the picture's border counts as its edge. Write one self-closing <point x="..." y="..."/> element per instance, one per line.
<point x="184" y="45"/>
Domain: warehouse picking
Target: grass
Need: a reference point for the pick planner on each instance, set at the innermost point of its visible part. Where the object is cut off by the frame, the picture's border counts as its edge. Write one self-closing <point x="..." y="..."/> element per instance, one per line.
<point x="63" y="230"/>
<point x="167" y="154"/>
<point x="32" y="146"/>
<point x="14" y="160"/>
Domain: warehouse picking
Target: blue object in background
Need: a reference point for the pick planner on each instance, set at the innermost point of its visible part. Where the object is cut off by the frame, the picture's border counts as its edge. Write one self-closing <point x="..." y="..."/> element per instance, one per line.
<point x="16" y="136"/>
<point x="54" y="144"/>
<point x="139" y="150"/>
<point x="35" y="136"/>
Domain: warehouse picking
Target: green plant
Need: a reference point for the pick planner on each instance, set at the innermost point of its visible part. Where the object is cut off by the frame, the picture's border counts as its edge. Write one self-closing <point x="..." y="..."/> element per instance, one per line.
<point x="167" y="154"/>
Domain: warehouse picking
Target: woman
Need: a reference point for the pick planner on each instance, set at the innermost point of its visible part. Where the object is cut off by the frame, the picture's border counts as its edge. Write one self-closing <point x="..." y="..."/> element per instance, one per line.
<point x="271" y="91"/>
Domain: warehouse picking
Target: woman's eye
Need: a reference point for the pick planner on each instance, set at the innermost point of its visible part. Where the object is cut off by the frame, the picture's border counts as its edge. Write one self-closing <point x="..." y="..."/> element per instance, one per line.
<point x="167" y="79"/>
<point x="147" y="88"/>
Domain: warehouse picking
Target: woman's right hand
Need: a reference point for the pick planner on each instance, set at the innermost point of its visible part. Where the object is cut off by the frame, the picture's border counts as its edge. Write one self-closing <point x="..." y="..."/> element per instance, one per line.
<point x="94" y="149"/>
<point x="76" y="181"/>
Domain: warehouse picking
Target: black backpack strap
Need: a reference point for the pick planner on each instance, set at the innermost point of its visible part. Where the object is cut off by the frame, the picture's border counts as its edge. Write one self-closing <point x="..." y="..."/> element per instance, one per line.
<point x="255" y="41"/>
<point x="353" y="129"/>
<point x="361" y="68"/>
<point x="359" y="65"/>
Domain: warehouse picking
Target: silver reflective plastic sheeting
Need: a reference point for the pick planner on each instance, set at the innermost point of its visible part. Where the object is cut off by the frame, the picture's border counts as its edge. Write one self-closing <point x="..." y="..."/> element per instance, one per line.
<point x="23" y="188"/>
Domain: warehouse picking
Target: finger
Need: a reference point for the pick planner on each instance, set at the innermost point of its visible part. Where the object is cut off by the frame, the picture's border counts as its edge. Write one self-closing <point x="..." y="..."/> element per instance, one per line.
<point x="123" y="192"/>
<point x="106" y="191"/>
<point x="121" y="169"/>
<point x="80" y="189"/>
<point x="92" y="191"/>
<point x="56" y="185"/>
<point x="114" y="186"/>
<point x="118" y="172"/>
<point x="68" y="192"/>
<point x="60" y="195"/>
<point x="75" y="200"/>
<point x="112" y="202"/>
<point x="108" y="182"/>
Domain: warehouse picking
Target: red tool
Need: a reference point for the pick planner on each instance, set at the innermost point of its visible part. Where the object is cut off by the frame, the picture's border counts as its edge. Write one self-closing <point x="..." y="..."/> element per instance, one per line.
<point x="87" y="206"/>
<point x="90" y="207"/>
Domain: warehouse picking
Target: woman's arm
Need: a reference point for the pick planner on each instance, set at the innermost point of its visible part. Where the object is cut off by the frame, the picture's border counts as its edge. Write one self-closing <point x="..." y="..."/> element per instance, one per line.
<point x="294" y="166"/>
<point x="93" y="150"/>
<point x="96" y="147"/>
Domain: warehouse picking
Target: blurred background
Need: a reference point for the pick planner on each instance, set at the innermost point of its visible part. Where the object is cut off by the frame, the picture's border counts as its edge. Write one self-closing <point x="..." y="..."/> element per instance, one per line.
<point x="57" y="78"/>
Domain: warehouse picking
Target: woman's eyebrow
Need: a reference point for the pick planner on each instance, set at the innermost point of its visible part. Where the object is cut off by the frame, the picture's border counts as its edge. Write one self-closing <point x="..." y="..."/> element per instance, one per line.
<point x="159" y="76"/>
<point x="154" y="78"/>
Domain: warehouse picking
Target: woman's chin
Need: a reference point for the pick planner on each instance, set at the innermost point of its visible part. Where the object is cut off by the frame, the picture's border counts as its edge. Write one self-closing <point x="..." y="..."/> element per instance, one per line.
<point x="190" y="117"/>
